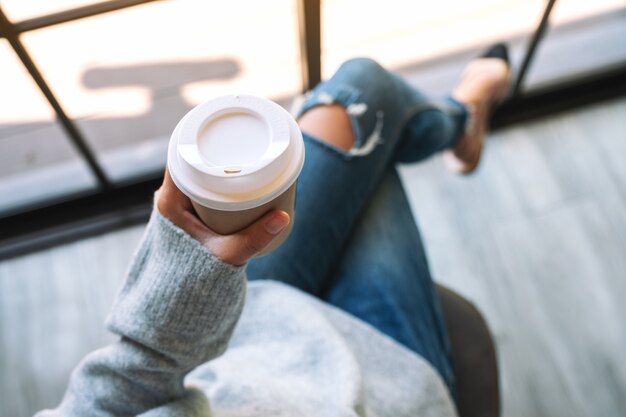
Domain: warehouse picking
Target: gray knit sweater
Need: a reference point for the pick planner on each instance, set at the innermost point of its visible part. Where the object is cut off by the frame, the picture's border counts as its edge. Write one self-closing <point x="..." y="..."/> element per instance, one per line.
<point x="197" y="340"/>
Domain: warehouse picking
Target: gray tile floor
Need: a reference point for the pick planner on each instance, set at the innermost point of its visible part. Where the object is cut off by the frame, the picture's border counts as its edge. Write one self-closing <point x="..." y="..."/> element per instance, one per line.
<point x="536" y="238"/>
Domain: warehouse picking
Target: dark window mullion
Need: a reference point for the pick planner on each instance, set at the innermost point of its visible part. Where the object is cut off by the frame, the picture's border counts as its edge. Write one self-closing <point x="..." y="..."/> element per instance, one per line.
<point x="76" y="14"/>
<point x="532" y="48"/>
<point x="309" y="22"/>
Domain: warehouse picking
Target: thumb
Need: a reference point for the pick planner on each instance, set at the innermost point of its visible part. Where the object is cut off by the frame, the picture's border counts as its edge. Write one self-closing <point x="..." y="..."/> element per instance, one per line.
<point x="238" y="248"/>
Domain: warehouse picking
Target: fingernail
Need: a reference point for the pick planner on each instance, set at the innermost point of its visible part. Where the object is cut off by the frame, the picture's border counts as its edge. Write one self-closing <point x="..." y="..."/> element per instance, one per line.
<point x="275" y="224"/>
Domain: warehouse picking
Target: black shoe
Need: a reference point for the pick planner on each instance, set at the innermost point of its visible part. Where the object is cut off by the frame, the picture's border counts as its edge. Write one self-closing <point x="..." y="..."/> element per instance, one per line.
<point x="499" y="50"/>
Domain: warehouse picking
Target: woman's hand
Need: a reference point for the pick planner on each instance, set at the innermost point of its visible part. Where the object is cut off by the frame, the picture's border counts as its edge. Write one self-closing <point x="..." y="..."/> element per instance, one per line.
<point x="235" y="249"/>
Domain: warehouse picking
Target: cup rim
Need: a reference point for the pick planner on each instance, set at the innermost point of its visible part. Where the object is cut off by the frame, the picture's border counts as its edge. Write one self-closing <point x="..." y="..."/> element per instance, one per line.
<point x="234" y="202"/>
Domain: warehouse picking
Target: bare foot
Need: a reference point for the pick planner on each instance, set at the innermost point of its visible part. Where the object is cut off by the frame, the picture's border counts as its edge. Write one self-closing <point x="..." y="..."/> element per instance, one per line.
<point x="483" y="85"/>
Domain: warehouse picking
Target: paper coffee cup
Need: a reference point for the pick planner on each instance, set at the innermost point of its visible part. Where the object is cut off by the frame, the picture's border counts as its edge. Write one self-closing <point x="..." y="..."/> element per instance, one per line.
<point x="237" y="157"/>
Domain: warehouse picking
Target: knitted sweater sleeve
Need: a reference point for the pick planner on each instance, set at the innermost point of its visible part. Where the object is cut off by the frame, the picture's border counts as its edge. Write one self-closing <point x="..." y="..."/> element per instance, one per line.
<point x="177" y="309"/>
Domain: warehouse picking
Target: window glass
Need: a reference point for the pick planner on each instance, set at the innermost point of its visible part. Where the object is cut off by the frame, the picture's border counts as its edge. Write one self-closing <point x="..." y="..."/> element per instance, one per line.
<point x="128" y="76"/>
<point x="584" y="37"/>
<point x="401" y="33"/>
<point x="430" y="43"/>
<point x="37" y="162"/>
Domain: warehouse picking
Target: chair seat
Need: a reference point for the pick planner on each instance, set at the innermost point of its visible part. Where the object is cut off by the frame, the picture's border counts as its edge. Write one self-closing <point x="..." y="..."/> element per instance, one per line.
<point x="474" y="356"/>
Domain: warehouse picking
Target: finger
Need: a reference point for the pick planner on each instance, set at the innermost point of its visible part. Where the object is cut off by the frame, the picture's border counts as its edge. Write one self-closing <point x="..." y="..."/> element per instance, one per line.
<point x="172" y="193"/>
<point x="177" y="207"/>
<point x="172" y="203"/>
<point x="238" y="248"/>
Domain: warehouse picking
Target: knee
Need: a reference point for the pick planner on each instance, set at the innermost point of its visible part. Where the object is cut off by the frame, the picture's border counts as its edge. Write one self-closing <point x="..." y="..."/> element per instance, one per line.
<point x="362" y="65"/>
<point x="364" y="71"/>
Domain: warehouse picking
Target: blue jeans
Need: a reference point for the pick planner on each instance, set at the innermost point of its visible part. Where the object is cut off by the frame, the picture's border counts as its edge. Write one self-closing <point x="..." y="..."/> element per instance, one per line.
<point x="355" y="243"/>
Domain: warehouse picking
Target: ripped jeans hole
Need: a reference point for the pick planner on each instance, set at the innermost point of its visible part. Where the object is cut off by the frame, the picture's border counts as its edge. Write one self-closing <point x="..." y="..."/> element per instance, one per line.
<point x="373" y="139"/>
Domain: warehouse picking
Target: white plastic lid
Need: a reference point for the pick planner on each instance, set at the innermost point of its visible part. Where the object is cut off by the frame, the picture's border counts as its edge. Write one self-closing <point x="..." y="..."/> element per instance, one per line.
<point x="235" y="152"/>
